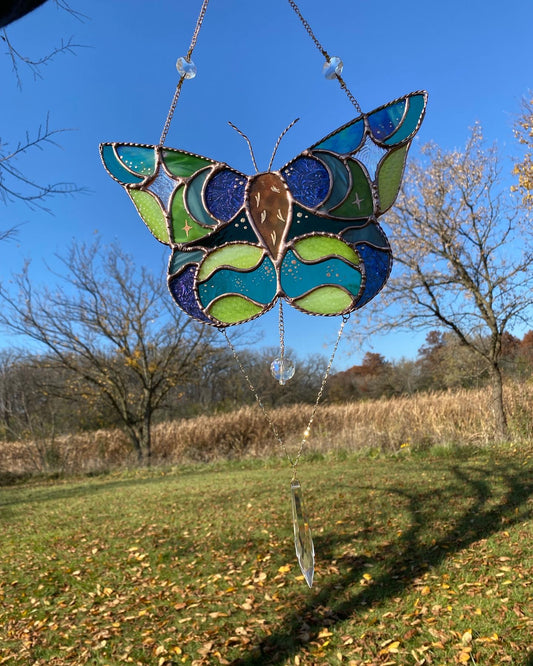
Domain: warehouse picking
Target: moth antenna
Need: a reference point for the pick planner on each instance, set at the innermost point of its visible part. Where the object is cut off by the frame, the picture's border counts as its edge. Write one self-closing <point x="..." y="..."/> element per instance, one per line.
<point x="248" y="142"/>
<point x="279" y="141"/>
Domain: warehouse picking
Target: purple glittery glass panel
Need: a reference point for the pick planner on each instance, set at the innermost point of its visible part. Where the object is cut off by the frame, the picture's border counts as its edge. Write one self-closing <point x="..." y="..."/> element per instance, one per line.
<point x="181" y="288"/>
<point x="224" y="194"/>
<point x="377" y="265"/>
<point x="308" y="180"/>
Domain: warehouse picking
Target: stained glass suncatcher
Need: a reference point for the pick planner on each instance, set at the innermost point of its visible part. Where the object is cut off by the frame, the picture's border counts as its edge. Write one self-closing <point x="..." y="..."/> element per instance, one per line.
<point x="307" y="233"/>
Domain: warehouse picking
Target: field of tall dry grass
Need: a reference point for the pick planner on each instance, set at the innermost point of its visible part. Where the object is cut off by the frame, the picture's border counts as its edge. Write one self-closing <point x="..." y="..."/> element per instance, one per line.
<point x="462" y="417"/>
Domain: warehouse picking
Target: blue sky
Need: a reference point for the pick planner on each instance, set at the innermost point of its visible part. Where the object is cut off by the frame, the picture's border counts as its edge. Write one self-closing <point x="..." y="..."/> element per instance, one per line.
<point x="257" y="68"/>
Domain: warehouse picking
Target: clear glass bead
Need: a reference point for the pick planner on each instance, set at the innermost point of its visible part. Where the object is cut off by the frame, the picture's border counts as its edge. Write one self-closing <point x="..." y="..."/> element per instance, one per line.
<point x="332" y="67"/>
<point x="186" y="68"/>
<point x="282" y="369"/>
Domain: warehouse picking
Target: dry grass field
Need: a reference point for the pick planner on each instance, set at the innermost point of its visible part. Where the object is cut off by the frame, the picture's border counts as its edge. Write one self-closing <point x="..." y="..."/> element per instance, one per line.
<point x="423" y="421"/>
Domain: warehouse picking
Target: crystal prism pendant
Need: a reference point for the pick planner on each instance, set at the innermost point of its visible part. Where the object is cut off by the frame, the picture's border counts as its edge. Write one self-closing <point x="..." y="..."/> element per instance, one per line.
<point x="186" y="68"/>
<point x="282" y="369"/>
<point x="332" y="67"/>
<point x="303" y="541"/>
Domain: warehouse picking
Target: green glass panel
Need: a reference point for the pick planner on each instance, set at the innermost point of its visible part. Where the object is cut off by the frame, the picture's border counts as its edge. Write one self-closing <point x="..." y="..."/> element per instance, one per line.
<point x="193" y="196"/>
<point x="139" y="159"/>
<point x="325" y="301"/>
<point x="237" y="256"/>
<point x="182" y="164"/>
<point x="151" y="213"/>
<point x="233" y="309"/>
<point x="359" y="202"/>
<point x="184" y="228"/>
<point x="390" y="177"/>
<point x="318" y="247"/>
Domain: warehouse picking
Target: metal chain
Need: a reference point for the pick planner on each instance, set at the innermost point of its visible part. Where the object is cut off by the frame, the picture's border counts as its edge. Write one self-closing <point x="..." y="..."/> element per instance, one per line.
<point x="326" y="55"/>
<point x="177" y="92"/>
<point x="281" y="331"/>
<point x="293" y="461"/>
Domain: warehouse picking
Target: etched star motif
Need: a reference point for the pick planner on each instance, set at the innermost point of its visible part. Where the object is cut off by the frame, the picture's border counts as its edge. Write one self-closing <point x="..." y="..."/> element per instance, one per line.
<point x="357" y="201"/>
<point x="187" y="228"/>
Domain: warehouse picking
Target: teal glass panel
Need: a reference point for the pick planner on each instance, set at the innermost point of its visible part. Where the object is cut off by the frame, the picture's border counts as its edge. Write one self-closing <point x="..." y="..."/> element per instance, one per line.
<point x="340" y="180"/>
<point x="345" y="140"/>
<point x="386" y="121"/>
<point x="411" y="121"/>
<point x="194" y="200"/>
<point x="183" y="164"/>
<point x="259" y="285"/>
<point x="140" y="159"/>
<point x="115" y="167"/>
<point x="371" y="233"/>
<point x="305" y="222"/>
<point x="297" y="277"/>
<point x="180" y="259"/>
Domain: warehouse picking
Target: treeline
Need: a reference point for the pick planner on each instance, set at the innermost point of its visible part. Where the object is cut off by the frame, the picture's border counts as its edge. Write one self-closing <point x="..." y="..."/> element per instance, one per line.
<point x="41" y="400"/>
<point x="442" y="363"/>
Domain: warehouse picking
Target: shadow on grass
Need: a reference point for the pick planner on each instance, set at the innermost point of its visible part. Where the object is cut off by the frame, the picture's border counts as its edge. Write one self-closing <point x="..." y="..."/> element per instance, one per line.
<point x="405" y="560"/>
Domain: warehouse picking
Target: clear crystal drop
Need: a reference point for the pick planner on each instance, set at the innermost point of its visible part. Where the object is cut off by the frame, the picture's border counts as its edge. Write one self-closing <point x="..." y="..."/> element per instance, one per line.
<point x="186" y="68"/>
<point x="303" y="541"/>
<point x="332" y="67"/>
<point x="282" y="369"/>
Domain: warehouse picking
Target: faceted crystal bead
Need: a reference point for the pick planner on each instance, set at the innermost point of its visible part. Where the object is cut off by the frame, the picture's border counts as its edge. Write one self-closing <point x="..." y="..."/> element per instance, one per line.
<point x="303" y="541"/>
<point x="332" y="67"/>
<point x="186" y="68"/>
<point x="282" y="369"/>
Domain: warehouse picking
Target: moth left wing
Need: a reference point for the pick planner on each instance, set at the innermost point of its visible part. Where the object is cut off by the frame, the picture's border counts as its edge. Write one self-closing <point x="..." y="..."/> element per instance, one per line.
<point x="180" y="196"/>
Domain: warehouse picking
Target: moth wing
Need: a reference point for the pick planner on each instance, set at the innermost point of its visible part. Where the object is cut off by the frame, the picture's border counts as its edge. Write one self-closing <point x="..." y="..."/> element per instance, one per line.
<point x="356" y="171"/>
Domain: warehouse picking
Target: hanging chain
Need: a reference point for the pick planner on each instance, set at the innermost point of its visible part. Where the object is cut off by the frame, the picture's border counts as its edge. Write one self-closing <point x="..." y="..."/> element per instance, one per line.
<point x="177" y="92"/>
<point x="281" y="331"/>
<point x="326" y="55"/>
<point x="293" y="461"/>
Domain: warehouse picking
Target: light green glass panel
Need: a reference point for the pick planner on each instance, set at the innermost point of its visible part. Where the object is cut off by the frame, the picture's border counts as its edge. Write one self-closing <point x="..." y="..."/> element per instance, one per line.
<point x="232" y="309"/>
<point x="184" y="228"/>
<point x="325" y="301"/>
<point x="238" y="256"/>
<point x="390" y="178"/>
<point x="318" y="247"/>
<point x="151" y="213"/>
<point x="182" y="164"/>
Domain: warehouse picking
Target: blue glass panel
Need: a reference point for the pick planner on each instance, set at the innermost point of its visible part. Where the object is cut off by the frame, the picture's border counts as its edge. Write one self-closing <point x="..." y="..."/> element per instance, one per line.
<point x="114" y="166"/>
<point x="340" y="180"/>
<point x="386" y="121"/>
<point x="163" y="187"/>
<point x="411" y="120"/>
<point x="224" y="194"/>
<point x="259" y="284"/>
<point x="371" y="233"/>
<point x="182" y="289"/>
<point x="377" y="267"/>
<point x="138" y="158"/>
<point x="308" y="181"/>
<point x="193" y="197"/>
<point x="297" y="278"/>
<point x="345" y="140"/>
<point x="370" y="154"/>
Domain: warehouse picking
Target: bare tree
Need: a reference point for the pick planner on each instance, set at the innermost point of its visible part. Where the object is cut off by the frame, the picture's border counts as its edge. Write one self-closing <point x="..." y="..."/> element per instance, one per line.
<point x="114" y="327"/>
<point x="463" y="255"/>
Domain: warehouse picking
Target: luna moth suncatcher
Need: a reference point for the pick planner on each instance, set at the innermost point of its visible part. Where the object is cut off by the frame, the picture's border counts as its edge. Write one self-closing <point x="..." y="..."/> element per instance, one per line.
<point x="307" y="233"/>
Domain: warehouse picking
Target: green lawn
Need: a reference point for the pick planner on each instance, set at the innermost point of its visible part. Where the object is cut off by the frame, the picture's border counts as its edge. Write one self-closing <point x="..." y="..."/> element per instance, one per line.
<point x="420" y="559"/>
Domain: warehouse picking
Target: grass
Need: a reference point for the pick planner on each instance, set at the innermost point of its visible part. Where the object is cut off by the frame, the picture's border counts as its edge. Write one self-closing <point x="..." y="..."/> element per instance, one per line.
<point x="420" y="559"/>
